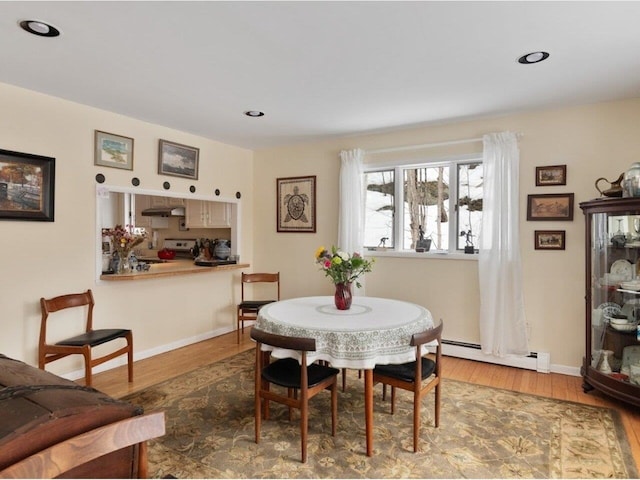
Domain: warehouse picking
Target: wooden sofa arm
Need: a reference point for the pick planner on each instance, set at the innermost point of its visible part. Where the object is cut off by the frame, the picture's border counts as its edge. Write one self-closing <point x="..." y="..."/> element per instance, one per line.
<point x="64" y="456"/>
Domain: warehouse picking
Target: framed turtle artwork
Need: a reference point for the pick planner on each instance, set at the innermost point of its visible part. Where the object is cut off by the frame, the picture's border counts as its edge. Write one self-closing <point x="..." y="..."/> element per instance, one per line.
<point x="296" y="207"/>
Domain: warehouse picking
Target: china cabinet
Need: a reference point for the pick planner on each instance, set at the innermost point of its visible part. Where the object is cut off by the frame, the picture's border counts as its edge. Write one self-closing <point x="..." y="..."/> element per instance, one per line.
<point x="612" y="354"/>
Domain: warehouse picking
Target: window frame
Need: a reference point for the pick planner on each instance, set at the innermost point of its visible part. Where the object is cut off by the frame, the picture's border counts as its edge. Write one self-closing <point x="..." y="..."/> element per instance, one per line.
<point x="399" y="166"/>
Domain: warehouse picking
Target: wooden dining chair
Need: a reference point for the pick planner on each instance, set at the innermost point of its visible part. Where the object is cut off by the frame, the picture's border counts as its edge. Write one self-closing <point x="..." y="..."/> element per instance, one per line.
<point x="81" y="344"/>
<point x="82" y="449"/>
<point x="412" y="376"/>
<point x="301" y="381"/>
<point x="249" y="305"/>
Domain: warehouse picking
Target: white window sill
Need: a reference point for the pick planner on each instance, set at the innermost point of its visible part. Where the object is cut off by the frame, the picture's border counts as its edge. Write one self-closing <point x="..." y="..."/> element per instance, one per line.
<point x="431" y="254"/>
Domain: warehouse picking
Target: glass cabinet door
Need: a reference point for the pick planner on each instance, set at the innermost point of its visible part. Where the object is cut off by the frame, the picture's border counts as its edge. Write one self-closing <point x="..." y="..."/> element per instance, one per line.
<point x="613" y="352"/>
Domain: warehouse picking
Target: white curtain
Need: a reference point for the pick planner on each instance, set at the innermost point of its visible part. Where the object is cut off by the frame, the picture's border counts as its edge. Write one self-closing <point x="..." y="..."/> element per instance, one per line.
<point x="351" y="213"/>
<point x="503" y="329"/>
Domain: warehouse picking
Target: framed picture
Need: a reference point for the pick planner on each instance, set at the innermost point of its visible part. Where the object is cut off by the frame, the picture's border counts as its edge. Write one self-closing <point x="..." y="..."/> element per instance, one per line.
<point x="551" y="175"/>
<point x="178" y="160"/>
<point x="296" y="204"/>
<point x="549" y="239"/>
<point x="26" y="186"/>
<point x="113" y="150"/>
<point x="551" y="206"/>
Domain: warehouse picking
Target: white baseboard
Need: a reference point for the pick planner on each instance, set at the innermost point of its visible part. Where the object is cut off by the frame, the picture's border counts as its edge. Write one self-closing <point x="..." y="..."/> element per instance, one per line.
<point x="539" y="361"/>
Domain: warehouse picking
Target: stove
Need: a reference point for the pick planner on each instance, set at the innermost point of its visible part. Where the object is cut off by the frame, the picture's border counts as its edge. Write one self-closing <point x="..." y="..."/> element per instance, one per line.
<point x="182" y="246"/>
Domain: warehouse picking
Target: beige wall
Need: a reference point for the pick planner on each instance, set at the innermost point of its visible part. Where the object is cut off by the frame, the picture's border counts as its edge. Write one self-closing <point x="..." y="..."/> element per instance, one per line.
<point x="594" y="141"/>
<point x="48" y="259"/>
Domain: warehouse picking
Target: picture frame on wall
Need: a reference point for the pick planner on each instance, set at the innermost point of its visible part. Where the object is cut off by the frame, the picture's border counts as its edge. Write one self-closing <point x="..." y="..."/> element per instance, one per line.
<point x="550" y="206"/>
<point x="549" y="239"/>
<point x="27" y="184"/>
<point x="178" y="160"/>
<point x="114" y="151"/>
<point x="551" y="175"/>
<point x="296" y="209"/>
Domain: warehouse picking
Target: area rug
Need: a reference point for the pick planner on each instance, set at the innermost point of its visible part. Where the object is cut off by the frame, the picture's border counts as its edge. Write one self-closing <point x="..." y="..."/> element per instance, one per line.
<point x="484" y="433"/>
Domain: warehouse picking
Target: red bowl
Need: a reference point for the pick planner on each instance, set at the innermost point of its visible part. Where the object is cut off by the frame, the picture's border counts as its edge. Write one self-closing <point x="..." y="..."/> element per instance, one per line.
<point x="166" y="254"/>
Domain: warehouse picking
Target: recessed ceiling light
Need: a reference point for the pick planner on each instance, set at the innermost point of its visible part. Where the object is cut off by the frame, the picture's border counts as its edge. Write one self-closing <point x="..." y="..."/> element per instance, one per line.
<point x="39" y="28"/>
<point x="254" y="113"/>
<point x="533" y="57"/>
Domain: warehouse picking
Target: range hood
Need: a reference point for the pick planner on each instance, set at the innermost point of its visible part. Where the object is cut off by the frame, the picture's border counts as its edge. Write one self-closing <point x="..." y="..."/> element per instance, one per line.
<point x="177" y="211"/>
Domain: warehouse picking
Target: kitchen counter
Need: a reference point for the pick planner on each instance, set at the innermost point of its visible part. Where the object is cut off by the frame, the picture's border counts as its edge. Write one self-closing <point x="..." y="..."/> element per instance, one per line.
<point x="169" y="269"/>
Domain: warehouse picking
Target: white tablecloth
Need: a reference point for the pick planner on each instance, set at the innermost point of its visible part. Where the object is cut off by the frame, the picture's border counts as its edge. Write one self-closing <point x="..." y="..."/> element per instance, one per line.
<point x="373" y="331"/>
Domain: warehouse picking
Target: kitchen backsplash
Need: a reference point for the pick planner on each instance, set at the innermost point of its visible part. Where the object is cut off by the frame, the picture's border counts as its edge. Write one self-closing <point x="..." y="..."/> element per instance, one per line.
<point x="174" y="232"/>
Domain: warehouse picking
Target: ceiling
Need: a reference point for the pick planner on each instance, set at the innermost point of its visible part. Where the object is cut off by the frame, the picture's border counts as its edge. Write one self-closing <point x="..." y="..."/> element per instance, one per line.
<point x="321" y="69"/>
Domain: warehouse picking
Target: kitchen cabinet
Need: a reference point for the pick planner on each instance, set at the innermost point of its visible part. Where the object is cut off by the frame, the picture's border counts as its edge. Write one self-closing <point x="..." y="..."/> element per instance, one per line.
<point x="166" y="201"/>
<point x="142" y="202"/>
<point x="206" y="214"/>
<point x="612" y="351"/>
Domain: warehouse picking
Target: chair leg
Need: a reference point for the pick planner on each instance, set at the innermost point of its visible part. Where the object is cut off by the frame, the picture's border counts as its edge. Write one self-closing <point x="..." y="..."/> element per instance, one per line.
<point x="258" y="415"/>
<point x="437" y="415"/>
<point x="393" y="399"/>
<point x="416" y="419"/>
<point x="130" y="356"/>
<point x="304" y="425"/>
<point x="334" y="408"/>
<point x="87" y="365"/>
<point x="384" y="392"/>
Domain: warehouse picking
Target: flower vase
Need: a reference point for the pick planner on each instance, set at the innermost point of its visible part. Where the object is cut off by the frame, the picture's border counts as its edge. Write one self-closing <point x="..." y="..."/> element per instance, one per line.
<point x="343" y="296"/>
<point x="123" y="262"/>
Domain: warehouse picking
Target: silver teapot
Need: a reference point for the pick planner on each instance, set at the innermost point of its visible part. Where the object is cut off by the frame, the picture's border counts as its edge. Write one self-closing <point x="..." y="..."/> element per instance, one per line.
<point x="632" y="181"/>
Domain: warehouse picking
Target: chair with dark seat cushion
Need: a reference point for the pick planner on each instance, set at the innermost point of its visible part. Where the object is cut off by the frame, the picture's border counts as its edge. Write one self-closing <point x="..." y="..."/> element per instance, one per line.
<point x="301" y="381"/>
<point x="411" y="376"/>
<point x="83" y="343"/>
<point x="248" y="307"/>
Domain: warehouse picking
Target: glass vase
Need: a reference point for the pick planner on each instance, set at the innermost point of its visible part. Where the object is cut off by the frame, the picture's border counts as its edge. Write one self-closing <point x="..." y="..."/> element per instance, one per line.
<point x="123" y="263"/>
<point x="343" y="296"/>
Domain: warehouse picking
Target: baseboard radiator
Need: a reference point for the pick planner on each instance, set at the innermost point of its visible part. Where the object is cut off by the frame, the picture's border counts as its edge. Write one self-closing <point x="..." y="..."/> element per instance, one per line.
<point x="538" y="361"/>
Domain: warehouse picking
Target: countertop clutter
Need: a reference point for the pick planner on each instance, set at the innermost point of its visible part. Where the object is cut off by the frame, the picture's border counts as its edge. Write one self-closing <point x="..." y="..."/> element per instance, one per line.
<point x="170" y="268"/>
<point x="180" y="256"/>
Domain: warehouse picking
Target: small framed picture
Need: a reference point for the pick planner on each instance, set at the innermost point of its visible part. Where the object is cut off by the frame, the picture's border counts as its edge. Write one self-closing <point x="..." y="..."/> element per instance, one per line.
<point x="26" y="186"/>
<point x="551" y="175"/>
<point x="178" y="160"/>
<point x="551" y="206"/>
<point x="296" y="210"/>
<point x="113" y="150"/>
<point x="549" y="239"/>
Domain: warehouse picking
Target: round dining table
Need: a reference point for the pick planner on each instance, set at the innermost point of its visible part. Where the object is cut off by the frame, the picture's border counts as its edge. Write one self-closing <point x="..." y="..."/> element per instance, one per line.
<point x="373" y="331"/>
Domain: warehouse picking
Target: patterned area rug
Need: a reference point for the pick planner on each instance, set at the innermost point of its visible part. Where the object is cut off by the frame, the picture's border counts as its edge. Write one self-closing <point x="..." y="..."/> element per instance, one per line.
<point x="484" y="433"/>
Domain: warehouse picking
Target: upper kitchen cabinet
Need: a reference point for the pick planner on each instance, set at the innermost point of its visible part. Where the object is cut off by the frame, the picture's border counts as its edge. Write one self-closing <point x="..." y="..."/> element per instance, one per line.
<point x="146" y="202"/>
<point x="142" y="202"/>
<point x="166" y="201"/>
<point x="206" y="214"/>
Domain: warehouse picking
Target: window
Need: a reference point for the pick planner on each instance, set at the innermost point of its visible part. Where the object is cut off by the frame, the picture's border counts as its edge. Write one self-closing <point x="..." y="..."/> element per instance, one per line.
<point x="441" y="201"/>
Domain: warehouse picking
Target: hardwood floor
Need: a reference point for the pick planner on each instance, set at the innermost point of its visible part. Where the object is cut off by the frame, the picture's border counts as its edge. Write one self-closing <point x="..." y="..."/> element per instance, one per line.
<point x="162" y="367"/>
